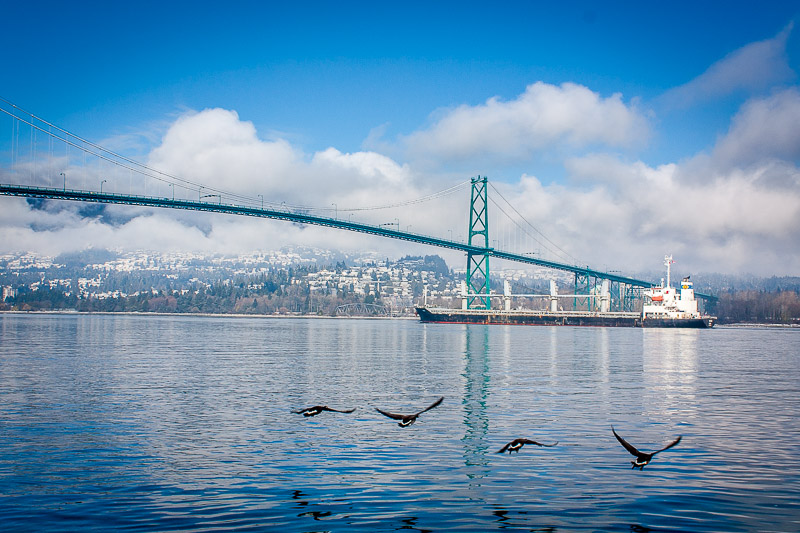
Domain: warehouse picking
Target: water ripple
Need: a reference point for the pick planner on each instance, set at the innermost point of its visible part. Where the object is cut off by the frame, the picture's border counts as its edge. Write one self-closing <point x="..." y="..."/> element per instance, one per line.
<point x="186" y="423"/>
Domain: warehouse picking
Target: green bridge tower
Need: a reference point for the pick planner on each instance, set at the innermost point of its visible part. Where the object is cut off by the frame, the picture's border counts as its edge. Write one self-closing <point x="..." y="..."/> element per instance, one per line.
<point x="478" y="262"/>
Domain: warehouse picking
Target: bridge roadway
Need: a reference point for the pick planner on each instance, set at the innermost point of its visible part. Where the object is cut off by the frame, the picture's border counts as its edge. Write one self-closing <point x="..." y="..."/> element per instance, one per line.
<point x="304" y="218"/>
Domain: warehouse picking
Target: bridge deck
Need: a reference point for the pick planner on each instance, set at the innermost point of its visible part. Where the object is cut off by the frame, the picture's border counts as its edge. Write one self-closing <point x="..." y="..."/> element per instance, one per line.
<point x="304" y="218"/>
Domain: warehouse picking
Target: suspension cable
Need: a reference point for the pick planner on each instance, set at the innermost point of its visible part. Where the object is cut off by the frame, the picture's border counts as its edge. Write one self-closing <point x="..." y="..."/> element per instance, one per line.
<point x="432" y="196"/>
<point x="563" y="253"/>
<point x="111" y="153"/>
<point x="162" y="176"/>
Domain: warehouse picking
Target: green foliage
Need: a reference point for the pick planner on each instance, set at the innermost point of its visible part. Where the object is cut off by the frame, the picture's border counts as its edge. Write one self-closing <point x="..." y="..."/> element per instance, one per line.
<point x="44" y="299"/>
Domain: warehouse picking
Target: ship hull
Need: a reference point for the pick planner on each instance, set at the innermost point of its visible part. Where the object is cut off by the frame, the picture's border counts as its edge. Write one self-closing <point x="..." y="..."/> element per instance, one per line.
<point x="696" y="323"/>
<point x="543" y="318"/>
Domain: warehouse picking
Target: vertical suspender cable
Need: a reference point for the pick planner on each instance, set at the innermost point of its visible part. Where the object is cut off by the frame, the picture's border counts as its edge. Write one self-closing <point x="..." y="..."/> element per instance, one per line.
<point x="30" y="156"/>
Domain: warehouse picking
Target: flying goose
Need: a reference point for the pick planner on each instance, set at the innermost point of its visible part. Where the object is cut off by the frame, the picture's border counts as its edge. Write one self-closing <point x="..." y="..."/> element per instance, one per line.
<point x="517" y="444"/>
<point x="317" y="409"/>
<point x="407" y="420"/>
<point x="642" y="459"/>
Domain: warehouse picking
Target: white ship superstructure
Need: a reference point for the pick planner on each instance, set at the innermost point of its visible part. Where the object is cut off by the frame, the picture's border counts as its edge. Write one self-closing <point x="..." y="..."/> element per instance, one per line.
<point x="667" y="303"/>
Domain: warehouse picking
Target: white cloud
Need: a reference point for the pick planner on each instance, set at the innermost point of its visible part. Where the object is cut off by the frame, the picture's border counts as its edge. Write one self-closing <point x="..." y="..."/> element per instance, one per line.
<point x="718" y="217"/>
<point x="731" y="223"/>
<point x="718" y="212"/>
<point x="544" y="115"/>
<point x="214" y="147"/>
<point x="752" y="68"/>
<point x="763" y="129"/>
<point x="58" y="228"/>
<point x="735" y="209"/>
<point x="360" y="179"/>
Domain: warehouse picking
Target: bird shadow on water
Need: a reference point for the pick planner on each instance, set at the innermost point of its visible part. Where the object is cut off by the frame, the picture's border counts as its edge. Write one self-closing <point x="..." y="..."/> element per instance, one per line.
<point x="301" y="502"/>
<point x="410" y="523"/>
<point x="507" y="521"/>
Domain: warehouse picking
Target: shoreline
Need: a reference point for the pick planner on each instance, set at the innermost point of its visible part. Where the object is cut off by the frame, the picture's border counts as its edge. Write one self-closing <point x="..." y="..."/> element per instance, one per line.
<point x="73" y="312"/>
<point x="758" y="325"/>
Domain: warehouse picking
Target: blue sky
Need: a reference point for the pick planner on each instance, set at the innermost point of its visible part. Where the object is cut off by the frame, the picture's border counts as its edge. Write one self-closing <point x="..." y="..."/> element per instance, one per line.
<point x="327" y="73"/>
<point x="395" y="81"/>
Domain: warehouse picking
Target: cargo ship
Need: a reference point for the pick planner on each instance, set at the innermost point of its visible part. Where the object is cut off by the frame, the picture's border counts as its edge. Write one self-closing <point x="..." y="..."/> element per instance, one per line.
<point x="664" y="307"/>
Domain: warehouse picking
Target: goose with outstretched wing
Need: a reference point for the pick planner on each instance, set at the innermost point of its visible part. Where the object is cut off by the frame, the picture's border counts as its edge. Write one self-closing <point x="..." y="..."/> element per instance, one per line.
<point x="642" y="458"/>
<point x="517" y="444"/>
<point x="317" y="409"/>
<point x="407" y="420"/>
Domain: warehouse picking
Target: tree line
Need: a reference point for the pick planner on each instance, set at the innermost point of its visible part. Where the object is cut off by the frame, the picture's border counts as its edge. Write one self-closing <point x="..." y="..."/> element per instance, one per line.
<point x="758" y="306"/>
<point x="275" y="292"/>
<point x="273" y="297"/>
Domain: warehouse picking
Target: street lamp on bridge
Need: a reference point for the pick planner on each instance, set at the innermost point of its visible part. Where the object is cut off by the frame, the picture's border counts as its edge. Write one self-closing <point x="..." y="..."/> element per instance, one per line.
<point x="219" y="196"/>
<point x="101" y="185"/>
<point x="65" y="179"/>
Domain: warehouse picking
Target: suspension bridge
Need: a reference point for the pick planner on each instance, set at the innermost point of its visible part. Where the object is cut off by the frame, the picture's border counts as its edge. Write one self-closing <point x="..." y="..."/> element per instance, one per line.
<point x="34" y="155"/>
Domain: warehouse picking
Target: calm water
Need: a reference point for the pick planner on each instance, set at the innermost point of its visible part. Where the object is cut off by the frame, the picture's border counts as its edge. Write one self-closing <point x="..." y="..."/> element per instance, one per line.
<point x="185" y="423"/>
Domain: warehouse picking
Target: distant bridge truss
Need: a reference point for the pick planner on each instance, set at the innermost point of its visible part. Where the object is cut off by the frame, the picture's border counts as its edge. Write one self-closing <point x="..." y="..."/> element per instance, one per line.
<point x="362" y="309"/>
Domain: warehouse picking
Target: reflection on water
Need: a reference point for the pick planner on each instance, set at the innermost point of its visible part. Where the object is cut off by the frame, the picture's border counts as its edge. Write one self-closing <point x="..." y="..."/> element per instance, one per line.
<point x="670" y="371"/>
<point x="182" y="423"/>
<point x="604" y="351"/>
<point x="476" y="389"/>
